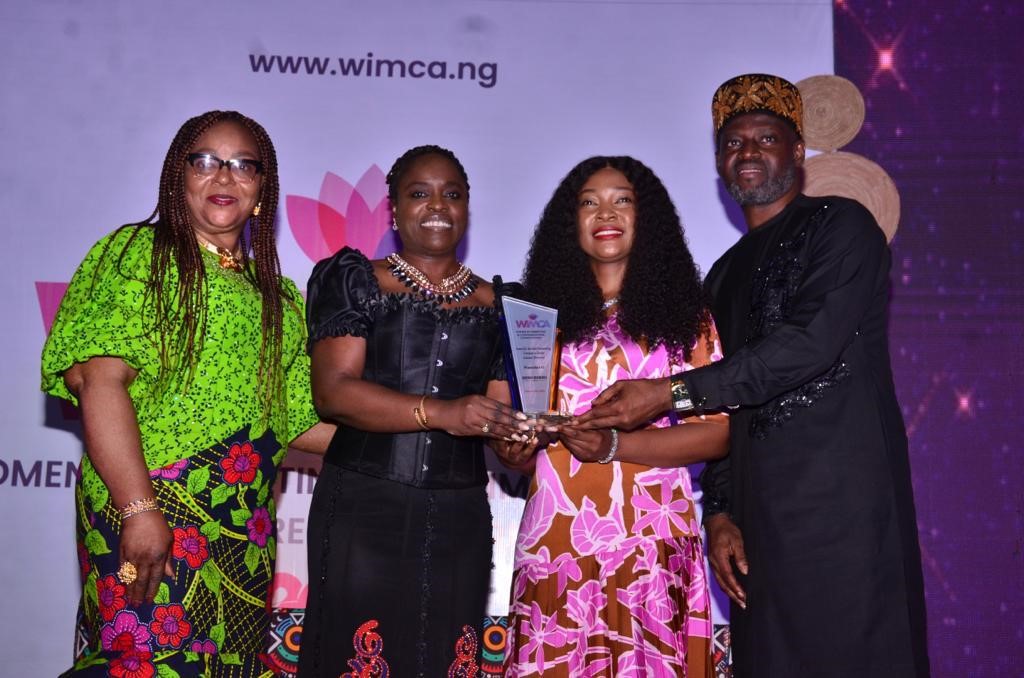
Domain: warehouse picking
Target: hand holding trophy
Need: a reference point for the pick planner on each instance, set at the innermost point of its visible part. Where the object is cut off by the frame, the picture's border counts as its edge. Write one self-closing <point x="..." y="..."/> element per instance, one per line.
<point x="531" y="355"/>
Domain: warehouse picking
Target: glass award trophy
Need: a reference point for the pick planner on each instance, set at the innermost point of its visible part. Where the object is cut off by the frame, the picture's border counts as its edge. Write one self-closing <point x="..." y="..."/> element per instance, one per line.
<point x="531" y="357"/>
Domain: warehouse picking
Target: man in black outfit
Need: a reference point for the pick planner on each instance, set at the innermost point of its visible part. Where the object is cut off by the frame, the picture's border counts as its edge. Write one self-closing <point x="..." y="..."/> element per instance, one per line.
<point x="810" y="519"/>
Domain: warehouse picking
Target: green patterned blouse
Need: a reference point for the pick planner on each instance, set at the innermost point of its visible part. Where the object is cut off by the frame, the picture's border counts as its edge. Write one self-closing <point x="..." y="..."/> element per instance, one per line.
<point x="103" y="314"/>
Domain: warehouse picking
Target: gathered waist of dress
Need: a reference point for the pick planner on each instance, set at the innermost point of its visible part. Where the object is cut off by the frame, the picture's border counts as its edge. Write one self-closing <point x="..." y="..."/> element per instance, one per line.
<point x="428" y="459"/>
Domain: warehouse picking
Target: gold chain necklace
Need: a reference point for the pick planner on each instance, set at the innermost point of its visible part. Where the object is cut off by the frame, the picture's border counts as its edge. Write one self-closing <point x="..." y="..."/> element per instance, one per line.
<point x="228" y="259"/>
<point x="452" y="288"/>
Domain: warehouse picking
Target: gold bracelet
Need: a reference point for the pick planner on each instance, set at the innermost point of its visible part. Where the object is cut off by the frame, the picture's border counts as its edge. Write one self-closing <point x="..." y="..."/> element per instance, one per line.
<point x="421" y="414"/>
<point x="138" y="506"/>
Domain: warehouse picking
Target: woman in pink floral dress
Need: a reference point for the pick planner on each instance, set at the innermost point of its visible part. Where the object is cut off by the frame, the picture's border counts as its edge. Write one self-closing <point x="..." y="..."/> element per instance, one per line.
<point x="609" y="576"/>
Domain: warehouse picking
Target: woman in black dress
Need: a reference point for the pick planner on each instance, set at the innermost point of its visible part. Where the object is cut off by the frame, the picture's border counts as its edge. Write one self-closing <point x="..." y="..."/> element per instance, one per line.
<point x="406" y="358"/>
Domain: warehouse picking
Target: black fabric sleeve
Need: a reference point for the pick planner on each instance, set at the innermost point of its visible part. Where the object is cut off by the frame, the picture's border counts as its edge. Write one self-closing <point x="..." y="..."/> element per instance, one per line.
<point x="846" y="258"/>
<point x="498" y="363"/>
<point x="716" y="488"/>
<point x="338" y="295"/>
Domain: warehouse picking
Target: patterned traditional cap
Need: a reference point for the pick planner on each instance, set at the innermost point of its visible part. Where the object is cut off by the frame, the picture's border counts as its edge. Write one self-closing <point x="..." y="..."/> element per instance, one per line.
<point x="757" y="93"/>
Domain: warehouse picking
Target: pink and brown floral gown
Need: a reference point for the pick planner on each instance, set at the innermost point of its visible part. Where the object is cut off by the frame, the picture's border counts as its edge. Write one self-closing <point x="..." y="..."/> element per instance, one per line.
<point x="609" y="568"/>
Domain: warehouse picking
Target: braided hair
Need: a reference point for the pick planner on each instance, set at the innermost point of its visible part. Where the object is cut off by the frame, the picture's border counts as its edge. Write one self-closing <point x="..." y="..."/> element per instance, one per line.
<point x="662" y="301"/>
<point x="180" y="316"/>
<point x="406" y="160"/>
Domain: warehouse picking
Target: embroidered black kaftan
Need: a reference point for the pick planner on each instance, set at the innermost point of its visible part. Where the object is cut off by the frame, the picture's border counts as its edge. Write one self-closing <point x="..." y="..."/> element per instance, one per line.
<point x="817" y="477"/>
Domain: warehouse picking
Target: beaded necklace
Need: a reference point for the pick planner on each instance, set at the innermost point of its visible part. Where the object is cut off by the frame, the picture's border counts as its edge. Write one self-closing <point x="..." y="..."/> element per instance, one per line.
<point x="452" y="288"/>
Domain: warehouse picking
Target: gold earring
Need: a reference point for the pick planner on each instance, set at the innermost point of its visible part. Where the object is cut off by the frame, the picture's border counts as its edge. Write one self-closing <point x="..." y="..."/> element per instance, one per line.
<point x="256" y="210"/>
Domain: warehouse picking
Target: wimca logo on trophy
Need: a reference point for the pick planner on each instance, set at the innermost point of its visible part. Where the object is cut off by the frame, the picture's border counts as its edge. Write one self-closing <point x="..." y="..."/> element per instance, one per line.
<point x="531" y="357"/>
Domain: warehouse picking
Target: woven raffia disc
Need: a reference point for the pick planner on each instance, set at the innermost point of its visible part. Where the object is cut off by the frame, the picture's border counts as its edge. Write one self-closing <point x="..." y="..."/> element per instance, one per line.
<point x="833" y="111"/>
<point x="853" y="176"/>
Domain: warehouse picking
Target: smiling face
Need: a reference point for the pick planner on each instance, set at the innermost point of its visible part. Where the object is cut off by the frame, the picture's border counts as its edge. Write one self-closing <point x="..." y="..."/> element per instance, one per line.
<point x="219" y="204"/>
<point x="432" y="206"/>
<point x="758" y="156"/>
<point x="606" y="217"/>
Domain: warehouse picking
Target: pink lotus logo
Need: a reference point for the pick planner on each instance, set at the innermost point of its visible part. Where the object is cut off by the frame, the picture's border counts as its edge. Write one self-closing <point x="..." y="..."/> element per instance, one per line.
<point x="357" y="216"/>
<point x="49" y="295"/>
<point x="288" y="591"/>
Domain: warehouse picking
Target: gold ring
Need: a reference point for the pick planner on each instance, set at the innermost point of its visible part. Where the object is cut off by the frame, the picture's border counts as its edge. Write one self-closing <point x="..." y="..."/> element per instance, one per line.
<point x="127" y="572"/>
<point x="486" y="428"/>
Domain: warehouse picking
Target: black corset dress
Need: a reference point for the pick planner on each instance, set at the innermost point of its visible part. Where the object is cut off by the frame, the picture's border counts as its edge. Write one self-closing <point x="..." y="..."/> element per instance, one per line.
<point x="400" y="530"/>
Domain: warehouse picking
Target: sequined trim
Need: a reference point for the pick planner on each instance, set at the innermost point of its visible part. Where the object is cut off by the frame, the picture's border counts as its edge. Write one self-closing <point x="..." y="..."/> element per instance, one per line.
<point x="465" y="664"/>
<point x="783" y="409"/>
<point x="368" y="646"/>
<point x="774" y="286"/>
<point x="714" y="503"/>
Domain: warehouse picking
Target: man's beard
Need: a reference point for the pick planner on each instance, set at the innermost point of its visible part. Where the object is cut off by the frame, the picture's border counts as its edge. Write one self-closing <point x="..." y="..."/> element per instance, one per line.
<point x="766" y="193"/>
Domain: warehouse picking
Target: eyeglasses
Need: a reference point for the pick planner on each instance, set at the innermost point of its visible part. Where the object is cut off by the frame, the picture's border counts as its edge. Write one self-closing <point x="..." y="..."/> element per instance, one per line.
<point x="207" y="164"/>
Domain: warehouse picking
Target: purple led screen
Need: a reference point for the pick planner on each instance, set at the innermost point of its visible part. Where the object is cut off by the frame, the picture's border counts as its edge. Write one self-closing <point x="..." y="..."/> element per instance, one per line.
<point x="945" y="117"/>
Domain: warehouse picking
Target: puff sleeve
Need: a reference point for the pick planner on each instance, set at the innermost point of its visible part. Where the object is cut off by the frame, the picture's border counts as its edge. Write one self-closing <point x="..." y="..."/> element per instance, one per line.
<point x="338" y="296"/>
<point x="103" y="312"/>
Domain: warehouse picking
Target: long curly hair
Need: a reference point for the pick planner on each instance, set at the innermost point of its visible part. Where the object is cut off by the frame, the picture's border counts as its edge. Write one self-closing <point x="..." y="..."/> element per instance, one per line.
<point x="176" y="288"/>
<point x="662" y="301"/>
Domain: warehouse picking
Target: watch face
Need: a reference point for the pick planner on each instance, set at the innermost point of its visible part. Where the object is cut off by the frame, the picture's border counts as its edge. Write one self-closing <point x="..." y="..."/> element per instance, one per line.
<point x="680" y="396"/>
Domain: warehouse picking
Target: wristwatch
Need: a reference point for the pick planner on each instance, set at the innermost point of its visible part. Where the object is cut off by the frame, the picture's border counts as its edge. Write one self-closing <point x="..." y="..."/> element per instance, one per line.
<point x="681" y="399"/>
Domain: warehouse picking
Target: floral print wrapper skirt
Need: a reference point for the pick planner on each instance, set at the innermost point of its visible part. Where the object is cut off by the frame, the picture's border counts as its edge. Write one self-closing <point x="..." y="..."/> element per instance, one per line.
<point x="210" y="618"/>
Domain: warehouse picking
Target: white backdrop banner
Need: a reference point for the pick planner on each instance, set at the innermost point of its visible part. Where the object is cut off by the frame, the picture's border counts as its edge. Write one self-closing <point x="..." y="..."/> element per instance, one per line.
<point x="521" y="90"/>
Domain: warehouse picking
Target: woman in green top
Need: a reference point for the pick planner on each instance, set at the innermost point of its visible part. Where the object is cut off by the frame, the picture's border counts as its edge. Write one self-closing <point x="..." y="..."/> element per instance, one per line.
<point x="186" y="356"/>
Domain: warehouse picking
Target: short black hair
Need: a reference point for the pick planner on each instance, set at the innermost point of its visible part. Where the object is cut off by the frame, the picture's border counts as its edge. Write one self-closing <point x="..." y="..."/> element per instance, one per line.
<point x="394" y="176"/>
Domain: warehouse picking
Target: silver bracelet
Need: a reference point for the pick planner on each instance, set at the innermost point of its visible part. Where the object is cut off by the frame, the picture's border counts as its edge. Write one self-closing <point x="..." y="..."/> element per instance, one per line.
<point x="615" y="448"/>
